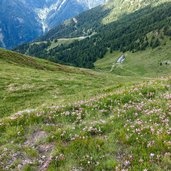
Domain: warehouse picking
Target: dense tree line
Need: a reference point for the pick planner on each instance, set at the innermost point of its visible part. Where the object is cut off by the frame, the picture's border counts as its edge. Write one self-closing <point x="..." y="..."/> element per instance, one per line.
<point x="129" y="33"/>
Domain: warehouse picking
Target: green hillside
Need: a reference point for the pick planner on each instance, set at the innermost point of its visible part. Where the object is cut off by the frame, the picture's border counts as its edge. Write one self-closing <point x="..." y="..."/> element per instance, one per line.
<point x="118" y="27"/>
<point x="113" y="117"/>
<point x="124" y="128"/>
<point x="150" y="63"/>
<point x="28" y="83"/>
<point x="122" y="7"/>
<point x="55" y="117"/>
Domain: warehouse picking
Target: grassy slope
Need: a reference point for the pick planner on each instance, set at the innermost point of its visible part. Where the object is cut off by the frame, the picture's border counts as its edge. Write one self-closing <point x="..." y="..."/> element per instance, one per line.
<point x="122" y="125"/>
<point x="58" y="42"/>
<point x="120" y="8"/>
<point x="126" y="128"/>
<point x="113" y="123"/>
<point x="28" y="83"/>
<point x="142" y="63"/>
<point x="64" y="41"/>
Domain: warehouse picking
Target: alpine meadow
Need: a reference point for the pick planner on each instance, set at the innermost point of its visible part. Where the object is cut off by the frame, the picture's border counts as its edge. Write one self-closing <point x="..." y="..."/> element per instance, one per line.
<point x="85" y="85"/>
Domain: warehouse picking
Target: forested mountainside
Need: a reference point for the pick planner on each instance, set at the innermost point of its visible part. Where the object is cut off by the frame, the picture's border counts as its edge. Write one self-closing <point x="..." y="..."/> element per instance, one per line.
<point x="149" y="26"/>
<point x="24" y="20"/>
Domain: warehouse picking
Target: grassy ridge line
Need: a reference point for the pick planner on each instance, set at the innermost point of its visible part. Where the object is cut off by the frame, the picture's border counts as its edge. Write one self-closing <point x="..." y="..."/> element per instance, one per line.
<point x="123" y="7"/>
<point x="129" y="130"/>
<point x="18" y="59"/>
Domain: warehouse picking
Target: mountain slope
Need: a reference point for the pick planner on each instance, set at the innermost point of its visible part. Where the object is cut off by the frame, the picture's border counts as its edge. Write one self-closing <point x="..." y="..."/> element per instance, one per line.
<point x="94" y="18"/>
<point x="147" y="27"/>
<point x="18" y="23"/>
<point x="123" y="129"/>
<point x="147" y="63"/>
<point x="28" y="83"/>
<point x="24" y="20"/>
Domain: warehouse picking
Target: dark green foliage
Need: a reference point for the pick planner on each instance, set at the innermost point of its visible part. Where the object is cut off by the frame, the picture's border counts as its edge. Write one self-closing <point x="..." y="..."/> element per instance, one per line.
<point x="88" y="22"/>
<point x="129" y="33"/>
<point x="155" y="43"/>
<point x="167" y="31"/>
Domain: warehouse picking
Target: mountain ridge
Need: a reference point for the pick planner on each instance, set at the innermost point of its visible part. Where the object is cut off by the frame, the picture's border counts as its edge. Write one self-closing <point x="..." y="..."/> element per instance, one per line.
<point x="136" y="31"/>
<point x="24" y="20"/>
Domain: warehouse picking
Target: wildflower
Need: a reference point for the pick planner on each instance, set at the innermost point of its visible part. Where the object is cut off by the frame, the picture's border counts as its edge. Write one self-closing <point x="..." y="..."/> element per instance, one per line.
<point x="61" y="157"/>
<point x="150" y="144"/>
<point x="152" y="155"/>
<point x="136" y="114"/>
<point x="141" y="160"/>
<point x="127" y="163"/>
<point x="43" y="157"/>
<point x="167" y="96"/>
<point x="5" y="149"/>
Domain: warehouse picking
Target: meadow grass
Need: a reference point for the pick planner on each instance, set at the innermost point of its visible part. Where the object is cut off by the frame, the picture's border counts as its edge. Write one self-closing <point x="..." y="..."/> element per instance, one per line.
<point x="142" y="63"/>
<point x="28" y="83"/>
<point x="124" y="129"/>
<point x="58" y="42"/>
<point x="55" y="117"/>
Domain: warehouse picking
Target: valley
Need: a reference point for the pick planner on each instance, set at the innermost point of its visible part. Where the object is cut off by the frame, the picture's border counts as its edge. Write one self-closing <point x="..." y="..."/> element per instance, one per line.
<point x="148" y="27"/>
<point x="23" y="21"/>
